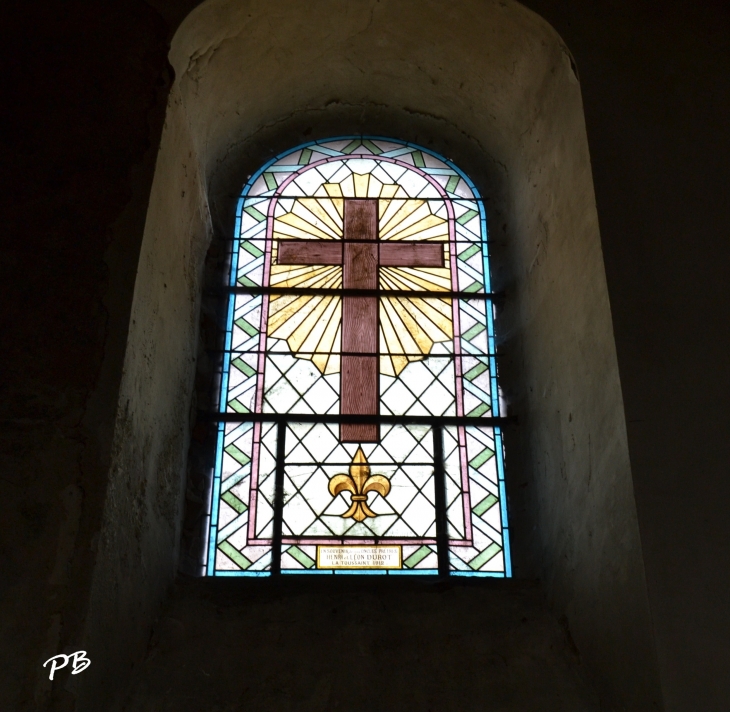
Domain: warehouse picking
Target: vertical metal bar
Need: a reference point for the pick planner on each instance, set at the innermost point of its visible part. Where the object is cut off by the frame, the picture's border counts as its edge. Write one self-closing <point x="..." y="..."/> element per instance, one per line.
<point x="278" y="498"/>
<point x="439" y="483"/>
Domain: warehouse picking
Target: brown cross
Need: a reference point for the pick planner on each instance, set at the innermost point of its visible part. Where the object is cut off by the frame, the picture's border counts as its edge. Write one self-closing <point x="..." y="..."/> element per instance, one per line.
<point x="360" y="253"/>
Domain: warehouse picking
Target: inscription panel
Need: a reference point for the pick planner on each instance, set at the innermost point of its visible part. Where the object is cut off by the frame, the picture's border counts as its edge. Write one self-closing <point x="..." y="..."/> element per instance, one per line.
<point x="359" y="557"/>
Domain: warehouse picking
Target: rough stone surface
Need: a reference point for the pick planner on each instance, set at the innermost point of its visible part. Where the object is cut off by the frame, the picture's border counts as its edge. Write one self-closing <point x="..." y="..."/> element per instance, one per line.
<point x="85" y="89"/>
<point x="510" y="114"/>
<point x="296" y="646"/>
<point x="87" y="86"/>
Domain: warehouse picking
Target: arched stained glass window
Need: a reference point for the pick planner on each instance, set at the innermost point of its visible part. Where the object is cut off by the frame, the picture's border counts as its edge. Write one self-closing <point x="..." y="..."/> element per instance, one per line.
<point x="359" y="424"/>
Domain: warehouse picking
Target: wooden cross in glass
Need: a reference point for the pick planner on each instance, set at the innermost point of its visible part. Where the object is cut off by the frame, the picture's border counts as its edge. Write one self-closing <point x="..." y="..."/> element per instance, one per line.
<point x="361" y="253"/>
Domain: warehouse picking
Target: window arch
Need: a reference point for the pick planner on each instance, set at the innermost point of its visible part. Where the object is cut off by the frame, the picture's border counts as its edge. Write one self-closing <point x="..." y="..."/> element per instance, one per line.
<point x="359" y="421"/>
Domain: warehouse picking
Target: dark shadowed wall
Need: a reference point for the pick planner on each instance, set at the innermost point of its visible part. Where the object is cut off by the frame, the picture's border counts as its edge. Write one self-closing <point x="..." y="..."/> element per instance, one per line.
<point x="657" y="99"/>
<point x="85" y="88"/>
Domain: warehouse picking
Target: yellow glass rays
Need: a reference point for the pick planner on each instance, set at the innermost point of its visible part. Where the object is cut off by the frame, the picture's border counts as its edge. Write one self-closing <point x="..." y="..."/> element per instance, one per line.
<point x="311" y="323"/>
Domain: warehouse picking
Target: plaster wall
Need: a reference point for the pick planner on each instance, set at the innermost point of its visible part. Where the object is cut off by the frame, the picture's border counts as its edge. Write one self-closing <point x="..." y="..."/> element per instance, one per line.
<point x="86" y="88"/>
<point x="79" y="150"/>
<point x="408" y="644"/>
<point x="657" y="97"/>
<point x="571" y="493"/>
<point x="138" y="543"/>
<point x="254" y="79"/>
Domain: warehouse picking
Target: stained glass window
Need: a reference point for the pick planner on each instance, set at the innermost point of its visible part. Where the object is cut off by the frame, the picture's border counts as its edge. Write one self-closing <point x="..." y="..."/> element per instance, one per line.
<point x="359" y="424"/>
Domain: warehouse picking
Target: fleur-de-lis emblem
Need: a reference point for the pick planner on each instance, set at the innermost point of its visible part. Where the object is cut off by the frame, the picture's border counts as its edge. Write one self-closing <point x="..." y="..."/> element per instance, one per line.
<point x="359" y="482"/>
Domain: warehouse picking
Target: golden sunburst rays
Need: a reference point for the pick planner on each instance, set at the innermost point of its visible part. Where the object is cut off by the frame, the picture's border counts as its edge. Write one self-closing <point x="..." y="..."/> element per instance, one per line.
<point x="311" y="325"/>
<point x="404" y="219"/>
<point x="317" y="218"/>
<point x="411" y="326"/>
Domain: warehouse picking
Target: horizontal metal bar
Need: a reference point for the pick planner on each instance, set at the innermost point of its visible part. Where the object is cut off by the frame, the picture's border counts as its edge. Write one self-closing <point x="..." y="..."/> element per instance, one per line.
<point x="460" y="241"/>
<point x="260" y="242"/>
<point x="350" y="538"/>
<point x="364" y="419"/>
<point x="325" y="197"/>
<point x="425" y="357"/>
<point x="338" y="463"/>
<point x="381" y="293"/>
<point x="359" y="240"/>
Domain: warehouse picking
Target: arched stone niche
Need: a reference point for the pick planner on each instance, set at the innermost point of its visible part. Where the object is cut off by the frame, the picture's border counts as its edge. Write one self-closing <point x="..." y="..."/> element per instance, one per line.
<point x="491" y="86"/>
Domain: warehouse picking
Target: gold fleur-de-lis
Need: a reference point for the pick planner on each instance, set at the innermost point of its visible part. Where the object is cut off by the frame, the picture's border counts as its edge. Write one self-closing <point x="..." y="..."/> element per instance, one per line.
<point x="359" y="482"/>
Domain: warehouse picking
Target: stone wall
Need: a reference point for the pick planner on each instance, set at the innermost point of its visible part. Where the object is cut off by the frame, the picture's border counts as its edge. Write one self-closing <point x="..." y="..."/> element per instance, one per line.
<point x="86" y="94"/>
<point x="389" y="644"/>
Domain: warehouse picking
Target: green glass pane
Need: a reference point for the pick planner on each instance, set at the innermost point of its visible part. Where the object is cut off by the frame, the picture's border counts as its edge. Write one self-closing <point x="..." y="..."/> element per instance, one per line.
<point x="467" y="216"/>
<point x="474" y="287"/>
<point x="351" y="146"/>
<point x="416" y="557"/>
<point x="241" y="457"/>
<point x="244" y="281"/>
<point x="256" y="214"/>
<point x="242" y="366"/>
<point x="243" y="324"/>
<point x="485" y="505"/>
<point x="466" y="254"/>
<point x="238" y="406"/>
<point x="234" y="555"/>
<point x="475" y="372"/>
<point x="478" y="411"/>
<point x="481" y="458"/>
<point x="296" y="553"/>
<point x="489" y="553"/>
<point x="371" y="147"/>
<point x="232" y="501"/>
<point x="471" y="333"/>
<point x="250" y="247"/>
